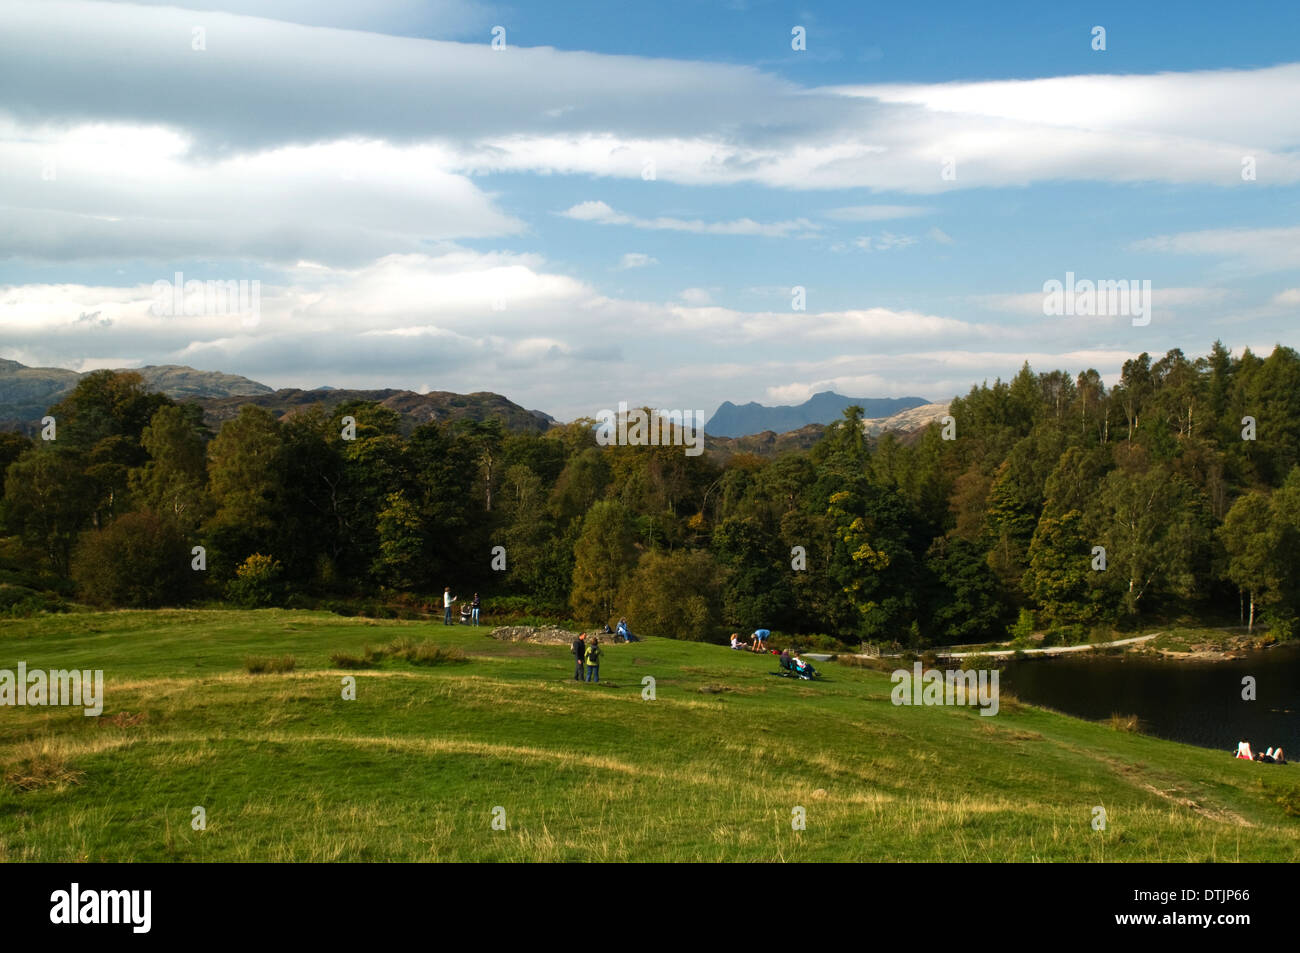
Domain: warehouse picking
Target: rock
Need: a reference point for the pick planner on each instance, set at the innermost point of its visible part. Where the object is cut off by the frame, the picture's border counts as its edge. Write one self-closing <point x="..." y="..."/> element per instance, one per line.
<point x="549" y="635"/>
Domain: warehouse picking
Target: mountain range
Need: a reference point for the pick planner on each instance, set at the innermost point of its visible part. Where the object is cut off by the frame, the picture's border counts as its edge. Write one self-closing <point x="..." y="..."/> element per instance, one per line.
<point x="739" y="420"/>
<point x="26" y="393"/>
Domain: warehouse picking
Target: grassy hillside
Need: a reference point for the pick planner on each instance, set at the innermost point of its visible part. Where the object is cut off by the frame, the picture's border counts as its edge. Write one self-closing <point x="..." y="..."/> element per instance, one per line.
<point x="709" y="770"/>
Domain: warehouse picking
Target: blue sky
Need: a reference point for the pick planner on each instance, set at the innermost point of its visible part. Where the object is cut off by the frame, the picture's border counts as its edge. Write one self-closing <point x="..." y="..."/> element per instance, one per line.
<point x="424" y="211"/>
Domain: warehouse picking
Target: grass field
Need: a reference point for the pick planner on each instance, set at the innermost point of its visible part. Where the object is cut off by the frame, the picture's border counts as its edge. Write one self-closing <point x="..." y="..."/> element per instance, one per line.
<point x="711" y="769"/>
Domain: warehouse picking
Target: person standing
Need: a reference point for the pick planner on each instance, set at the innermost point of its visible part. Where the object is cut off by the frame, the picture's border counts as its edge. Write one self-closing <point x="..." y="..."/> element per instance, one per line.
<point x="474" y="607"/>
<point x="447" y="600"/>
<point x="579" y="649"/>
<point x="593" y="660"/>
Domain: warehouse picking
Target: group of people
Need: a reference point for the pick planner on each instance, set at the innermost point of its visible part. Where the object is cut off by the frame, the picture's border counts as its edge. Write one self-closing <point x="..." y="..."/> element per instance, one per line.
<point x="757" y="642"/>
<point x="1270" y="756"/>
<point x="587" y="655"/>
<point x="468" y="612"/>
<point x="621" y="634"/>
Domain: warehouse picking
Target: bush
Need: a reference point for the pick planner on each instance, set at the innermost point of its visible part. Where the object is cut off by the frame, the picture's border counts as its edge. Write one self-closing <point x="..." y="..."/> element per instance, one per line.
<point x="263" y="665"/>
<point x="368" y="658"/>
<point x="405" y="648"/>
<point x="17" y="602"/>
<point x="1023" y="628"/>
<point x="1128" y="723"/>
<point x="256" y="582"/>
<point x="138" y="561"/>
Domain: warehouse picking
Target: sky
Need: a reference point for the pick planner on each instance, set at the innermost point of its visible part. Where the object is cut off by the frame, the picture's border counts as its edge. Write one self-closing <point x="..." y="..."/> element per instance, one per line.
<point x="580" y="203"/>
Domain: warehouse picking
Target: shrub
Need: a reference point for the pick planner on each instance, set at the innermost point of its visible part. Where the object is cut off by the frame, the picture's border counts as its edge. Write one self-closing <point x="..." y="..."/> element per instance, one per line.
<point x="264" y="665"/>
<point x="367" y="659"/>
<point x="429" y="654"/>
<point x="138" y="561"/>
<point x="1023" y="627"/>
<point x="1128" y="723"/>
<point x="256" y="582"/>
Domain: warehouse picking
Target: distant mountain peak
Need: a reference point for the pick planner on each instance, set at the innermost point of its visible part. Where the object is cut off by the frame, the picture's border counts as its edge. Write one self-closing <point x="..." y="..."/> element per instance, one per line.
<point x="731" y="420"/>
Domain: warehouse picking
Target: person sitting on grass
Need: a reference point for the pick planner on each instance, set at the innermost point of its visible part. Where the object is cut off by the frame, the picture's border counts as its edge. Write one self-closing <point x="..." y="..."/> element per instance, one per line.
<point x="464" y="615"/>
<point x="735" y="641"/>
<point x="593" y="660"/>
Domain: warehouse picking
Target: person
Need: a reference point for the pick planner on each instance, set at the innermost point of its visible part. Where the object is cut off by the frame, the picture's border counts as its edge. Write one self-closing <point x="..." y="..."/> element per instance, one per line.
<point x="1243" y="751"/>
<point x="624" y="633"/>
<point x="593" y="660"/>
<point x="464" y="615"/>
<point x="801" y="667"/>
<point x="474" y="607"/>
<point x="606" y="630"/>
<point x="759" y="640"/>
<point x="785" y="659"/>
<point x="447" y="600"/>
<point x="735" y="641"/>
<point x="579" y="649"/>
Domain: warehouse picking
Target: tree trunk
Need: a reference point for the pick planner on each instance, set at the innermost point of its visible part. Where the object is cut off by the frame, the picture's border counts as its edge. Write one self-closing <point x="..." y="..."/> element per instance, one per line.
<point x="1250" y="629"/>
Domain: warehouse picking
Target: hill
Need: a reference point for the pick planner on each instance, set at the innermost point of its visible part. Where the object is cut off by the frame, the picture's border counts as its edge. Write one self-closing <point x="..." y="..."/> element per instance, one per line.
<point x="709" y="769"/>
<point x="26" y="393"/>
<point x="732" y="420"/>
<point x="907" y="421"/>
<point x="414" y="408"/>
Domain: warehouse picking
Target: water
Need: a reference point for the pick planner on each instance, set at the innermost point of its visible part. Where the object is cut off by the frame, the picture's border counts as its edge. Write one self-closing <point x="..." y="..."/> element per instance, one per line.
<point x="1198" y="703"/>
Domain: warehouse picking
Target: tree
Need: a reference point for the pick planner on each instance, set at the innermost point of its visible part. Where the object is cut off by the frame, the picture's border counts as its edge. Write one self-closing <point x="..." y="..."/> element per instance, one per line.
<point x="48" y="499"/>
<point x="676" y="595"/>
<point x="401" y="543"/>
<point x="1254" y="551"/>
<point x="603" y="558"/>
<point x="107" y="404"/>
<point x="173" y="480"/>
<point x="245" y="481"/>
<point x="758" y="591"/>
<point x="138" y="561"/>
<point x="968" y="604"/>
<point x="1060" y="576"/>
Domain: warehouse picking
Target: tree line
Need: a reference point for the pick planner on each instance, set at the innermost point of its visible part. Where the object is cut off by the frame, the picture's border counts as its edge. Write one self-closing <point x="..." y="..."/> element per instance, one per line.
<point x="1048" y="501"/>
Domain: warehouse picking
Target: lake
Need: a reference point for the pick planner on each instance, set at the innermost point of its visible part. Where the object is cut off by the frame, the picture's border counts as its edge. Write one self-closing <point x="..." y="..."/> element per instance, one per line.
<point x="1198" y="703"/>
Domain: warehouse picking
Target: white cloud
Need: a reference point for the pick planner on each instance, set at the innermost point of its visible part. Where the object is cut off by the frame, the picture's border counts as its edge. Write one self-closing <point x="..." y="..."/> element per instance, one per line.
<point x="634" y="259"/>
<point x="600" y="213"/>
<point x="884" y="242"/>
<point x="876" y="213"/>
<point x="134" y="193"/>
<point x="266" y="85"/>
<point x="1243" y="249"/>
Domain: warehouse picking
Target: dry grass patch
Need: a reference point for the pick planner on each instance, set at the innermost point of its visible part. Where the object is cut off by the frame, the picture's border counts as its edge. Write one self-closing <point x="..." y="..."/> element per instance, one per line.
<point x="40" y="764"/>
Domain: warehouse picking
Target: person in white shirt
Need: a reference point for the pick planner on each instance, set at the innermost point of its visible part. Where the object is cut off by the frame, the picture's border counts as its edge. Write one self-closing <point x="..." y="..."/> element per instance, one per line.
<point x="447" y="600"/>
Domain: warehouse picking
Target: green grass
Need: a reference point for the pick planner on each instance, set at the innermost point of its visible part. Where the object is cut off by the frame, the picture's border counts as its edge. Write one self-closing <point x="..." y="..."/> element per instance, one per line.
<point x="286" y="769"/>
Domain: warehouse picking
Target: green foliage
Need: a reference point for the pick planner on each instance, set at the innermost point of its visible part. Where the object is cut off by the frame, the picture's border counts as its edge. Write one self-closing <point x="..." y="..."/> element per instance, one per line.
<point x="138" y="561"/>
<point x="256" y="582"/>
<point x="676" y="595"/>
<point x="603" y="559"/>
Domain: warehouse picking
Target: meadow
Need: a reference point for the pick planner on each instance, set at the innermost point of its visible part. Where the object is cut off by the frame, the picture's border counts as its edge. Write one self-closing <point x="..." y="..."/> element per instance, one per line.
<point x="711" y="769"/>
